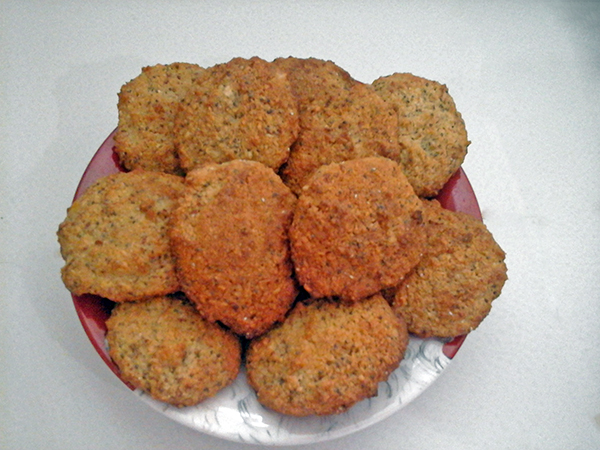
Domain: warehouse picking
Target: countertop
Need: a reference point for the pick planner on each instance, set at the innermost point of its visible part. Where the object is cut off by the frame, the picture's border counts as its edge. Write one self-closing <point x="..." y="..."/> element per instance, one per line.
<point x="524" y="75"/>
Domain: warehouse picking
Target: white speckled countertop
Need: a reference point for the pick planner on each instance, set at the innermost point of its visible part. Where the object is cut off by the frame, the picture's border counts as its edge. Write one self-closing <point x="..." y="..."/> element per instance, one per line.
<point x="526" y="78"/>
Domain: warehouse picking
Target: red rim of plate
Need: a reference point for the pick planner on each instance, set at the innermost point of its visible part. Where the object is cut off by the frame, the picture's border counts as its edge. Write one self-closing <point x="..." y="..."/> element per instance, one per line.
<point x="93" y="311"/>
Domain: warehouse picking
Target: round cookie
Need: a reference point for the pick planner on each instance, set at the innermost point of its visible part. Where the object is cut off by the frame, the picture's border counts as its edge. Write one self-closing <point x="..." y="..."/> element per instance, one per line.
<point x="326" y="356"/>
<point x="243" y="109"/>
<point x="356" y="229"/>
<point x="431" y="132"/>
<point x="340" y="119"/>
<point x="230" y="237"/>
<point x="355" y="123"/>
<point x="114" y="239"/>
<point x="462" y="271"/>
<point x="147" y="106"/>
<point x="164" y="347"/>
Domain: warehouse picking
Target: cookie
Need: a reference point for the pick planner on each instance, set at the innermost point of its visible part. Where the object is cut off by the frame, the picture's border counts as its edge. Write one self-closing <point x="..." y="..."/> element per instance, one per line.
<point x="462" y="271"/>
<point x="164" y="347"/>
<point x="340" y="119"/>
<point x="326" y="356"/>
<point x="147" y="106"/>
<point x="242" y="109"/>
<point x="356" y="229"/>
<point x="230" y="237"/>
<point x="431" y="132"/>
<point x="114" y="239"/>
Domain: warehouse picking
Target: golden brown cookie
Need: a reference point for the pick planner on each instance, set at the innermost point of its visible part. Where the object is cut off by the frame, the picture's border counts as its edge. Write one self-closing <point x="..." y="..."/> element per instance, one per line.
<point x="340" y="119"/>
<point x="326" y="356"/>
<point x="147" y="107"/>
<point x="165" y="348"/>
<point x="243" y="109"/>
<point x="462" y="271"/>
<point x="114" y="239"/>
<point x="230" y="236"/>
<point x="354" y="124"/>
<point x="356" y="229"/>
<point x="431" y="132"/>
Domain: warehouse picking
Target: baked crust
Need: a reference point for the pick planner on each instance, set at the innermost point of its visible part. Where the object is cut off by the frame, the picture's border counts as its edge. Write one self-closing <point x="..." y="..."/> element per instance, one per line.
<point x="114" y="239"/>
<point x="164" y="347"/>
<point x="462" y="271"/>
<point x="242" y="109"/>
<point x="147" y="106"/>
<point x="431" y="133"/>
<point x="326" y="356"/>
<point x="356" y="229"/>
<point x="340" y="119"/>
<point x="230" y="237"/>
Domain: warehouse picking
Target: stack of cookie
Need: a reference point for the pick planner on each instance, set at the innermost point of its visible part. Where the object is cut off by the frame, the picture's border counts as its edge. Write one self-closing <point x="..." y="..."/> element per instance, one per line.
<point x="288" y="207"/>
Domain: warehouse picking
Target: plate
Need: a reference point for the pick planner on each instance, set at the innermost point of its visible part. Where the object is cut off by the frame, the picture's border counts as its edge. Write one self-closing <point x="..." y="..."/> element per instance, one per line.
<point x="234" y="413"/>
